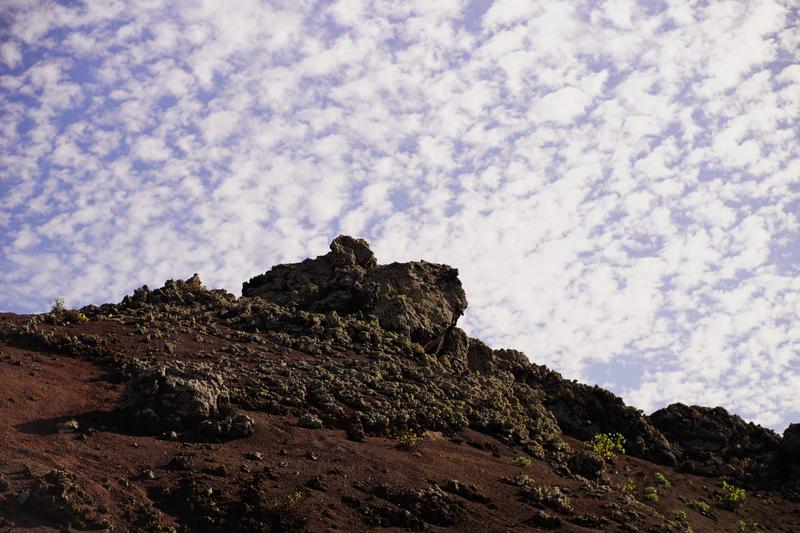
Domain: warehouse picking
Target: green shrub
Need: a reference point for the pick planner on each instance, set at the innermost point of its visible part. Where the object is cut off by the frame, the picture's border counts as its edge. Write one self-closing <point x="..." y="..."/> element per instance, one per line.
<point x="295" y="497"/>
<point x="651" y="493"/>
<point x="745" y="526"/>
<point x="409" y="440"/>
<point x="700" y="505"/>
<point x="662" y="480"/>
<point x="628" y="488"/>
<point x="606" y="445"/>
<point x="522" y="461"/>
<point x="732" y="496"/>
<point x="680" y="515"/>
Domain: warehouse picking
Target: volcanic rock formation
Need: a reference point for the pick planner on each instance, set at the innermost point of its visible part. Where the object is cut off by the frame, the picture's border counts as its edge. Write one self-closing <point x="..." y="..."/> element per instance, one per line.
<point x="420" y="300"/>
<point x="357" y="351"/>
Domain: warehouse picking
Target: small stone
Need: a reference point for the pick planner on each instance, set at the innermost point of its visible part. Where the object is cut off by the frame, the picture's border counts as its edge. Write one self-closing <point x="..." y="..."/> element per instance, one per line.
<point x="172" y="435"/>
<point x="310" y="421"/>
<point x="241" y="426"/>
<point x="69" y="426"/>
<point x="148" y="474"/>
<point x="254" y="456"/>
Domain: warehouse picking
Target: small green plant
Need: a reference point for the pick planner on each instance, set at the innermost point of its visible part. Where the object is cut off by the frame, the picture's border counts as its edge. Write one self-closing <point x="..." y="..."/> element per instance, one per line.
<point x="58" y="305"/>
<point x="651" y="493"/>
<point x="662" y="480"/>
<point x="732" y="496"/>
<point x="700" y="506"/>
<point x="522" y="461"/>
<point x="680" y="515"/>
<point x="628" y="488"/>
<point x="745" y="526"/>
<point x="606" y="445"/>
<point x="294" y="498"/>
<point x="409" y="440"/>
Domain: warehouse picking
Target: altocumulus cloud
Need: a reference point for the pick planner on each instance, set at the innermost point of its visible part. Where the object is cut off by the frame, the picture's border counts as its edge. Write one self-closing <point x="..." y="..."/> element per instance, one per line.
<point x="618" y="181"/>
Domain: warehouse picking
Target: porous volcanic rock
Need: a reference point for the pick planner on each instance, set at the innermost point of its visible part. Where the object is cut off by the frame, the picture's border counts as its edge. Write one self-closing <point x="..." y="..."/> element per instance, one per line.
<point x="419" y="299"/>
<point x="178" y="396"/>
<point x="709" y="440"/>
<point x="787" y="461"/>
<point x="580" y="410"/>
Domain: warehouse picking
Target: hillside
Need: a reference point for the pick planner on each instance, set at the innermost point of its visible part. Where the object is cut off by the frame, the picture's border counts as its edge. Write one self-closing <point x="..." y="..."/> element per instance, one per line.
<point x="338" y="394"/>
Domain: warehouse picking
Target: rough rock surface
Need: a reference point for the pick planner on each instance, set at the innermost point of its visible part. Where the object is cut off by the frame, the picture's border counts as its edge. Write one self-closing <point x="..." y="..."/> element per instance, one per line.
<point x="711" y="441"/>
<point x="179" y="396"/>
<point x="419" y="299"/>
<point x="580" y="410"/>
<point x="787" y="462"/>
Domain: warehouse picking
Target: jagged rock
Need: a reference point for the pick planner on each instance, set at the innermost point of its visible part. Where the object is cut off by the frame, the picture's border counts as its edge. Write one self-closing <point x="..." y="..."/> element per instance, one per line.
<point x="178" y="396"/>
<point x="543" y="520"/>
<point x="466" y="491"/>
<point x="455" y="350"/>
<point x="479" y="356"/>
<point x="178" y="292"/>
<point x="236" y="427"/>
<point x="586" y="463"/>
<point x="419" y="299"/>
<point x="540" y="495"/>
<point x="707" y="440"/>
<point x="580" y="410"/>
<point x="787" y="462"/>
<point x="309" y="421"/>
<point x="430" y="504"/>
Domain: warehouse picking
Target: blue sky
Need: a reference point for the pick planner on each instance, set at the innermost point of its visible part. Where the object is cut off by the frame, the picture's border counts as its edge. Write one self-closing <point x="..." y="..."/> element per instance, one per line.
<point x="618" y="182"/>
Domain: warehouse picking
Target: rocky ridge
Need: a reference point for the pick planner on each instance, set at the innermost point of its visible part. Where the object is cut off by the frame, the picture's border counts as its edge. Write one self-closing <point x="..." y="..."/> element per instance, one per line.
<point x="344" y="343"/>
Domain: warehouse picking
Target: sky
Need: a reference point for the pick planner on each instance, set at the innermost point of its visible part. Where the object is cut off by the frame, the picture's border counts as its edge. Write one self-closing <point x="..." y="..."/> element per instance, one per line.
<point x="618" y="182"/>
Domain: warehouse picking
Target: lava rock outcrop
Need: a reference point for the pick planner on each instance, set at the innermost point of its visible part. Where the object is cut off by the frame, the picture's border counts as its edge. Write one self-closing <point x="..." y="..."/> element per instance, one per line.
<point x="176" y="397"/>
<point x="710" y="441"/>
<point x="419" y="299"/>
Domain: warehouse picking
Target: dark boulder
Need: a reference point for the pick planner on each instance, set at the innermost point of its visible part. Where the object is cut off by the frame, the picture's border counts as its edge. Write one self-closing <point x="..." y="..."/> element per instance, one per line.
<point x="710" y="441"/>
<point x="587" y="464"/>
<point x="178" y="396"/>
<point x="581" y="411"/>
<point x="787" y="462"/>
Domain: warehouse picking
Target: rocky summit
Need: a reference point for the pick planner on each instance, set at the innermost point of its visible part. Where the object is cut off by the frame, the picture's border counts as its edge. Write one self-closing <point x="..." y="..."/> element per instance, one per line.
<point x="340" y="394"/>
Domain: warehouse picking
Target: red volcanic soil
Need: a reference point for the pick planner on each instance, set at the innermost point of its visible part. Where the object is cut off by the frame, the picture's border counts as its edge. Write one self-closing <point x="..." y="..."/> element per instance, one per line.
<point x="295" y="478"/>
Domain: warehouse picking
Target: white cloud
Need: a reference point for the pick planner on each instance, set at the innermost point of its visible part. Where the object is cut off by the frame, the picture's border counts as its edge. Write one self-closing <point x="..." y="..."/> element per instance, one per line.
<point x="11" y="54"/>
<point x="151" y="149"/>
<point x="562" y="106"/>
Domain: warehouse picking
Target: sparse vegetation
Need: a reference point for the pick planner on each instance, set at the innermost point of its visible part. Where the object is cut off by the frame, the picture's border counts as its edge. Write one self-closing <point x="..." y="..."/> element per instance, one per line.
<point x="294" y="498"/>
<point x="680" y="515"/>
<point x="651" y="493"/>
<point x="662" y="480"/>
<point x="628" y="488"/>
<point x="744" y="527"/>
<point x="732" y="496"/>
<point x="606" y="445"/>
<point x="700" y="506"/>
<point x="522" y="461"/>
<point x="409" y="440"/>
